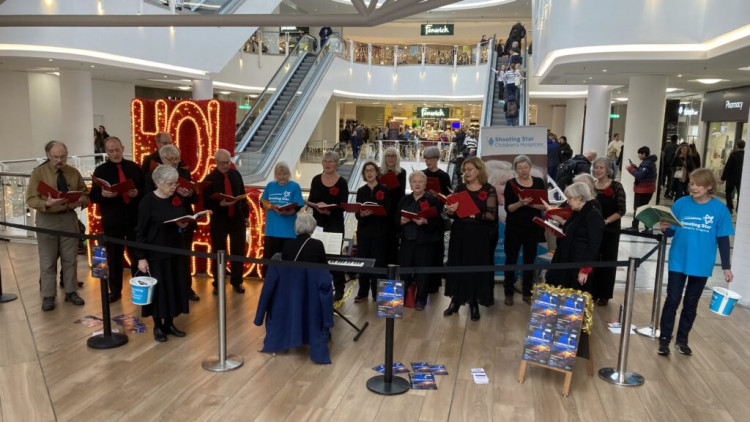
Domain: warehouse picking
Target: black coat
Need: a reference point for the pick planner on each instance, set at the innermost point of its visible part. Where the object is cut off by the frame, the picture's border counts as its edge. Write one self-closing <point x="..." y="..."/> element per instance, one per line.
<point x="314" y="251"/>
<point x="583" y="236"/>
<point x="733" y="169"/>
<point x="220" y="213"/>
<point x="114" y="211"/>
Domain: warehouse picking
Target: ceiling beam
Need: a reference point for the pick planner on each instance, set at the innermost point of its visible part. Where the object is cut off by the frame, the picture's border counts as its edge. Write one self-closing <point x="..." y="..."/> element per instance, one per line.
<point x="414" y="7"/>
<point x="372" y="6"/>
<point x="360" y="6"/>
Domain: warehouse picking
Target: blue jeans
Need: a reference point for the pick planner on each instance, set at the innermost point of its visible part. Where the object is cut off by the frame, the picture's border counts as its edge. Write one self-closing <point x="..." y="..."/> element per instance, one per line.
<point x="511" y="121"/>
<point x="675" y="286"/>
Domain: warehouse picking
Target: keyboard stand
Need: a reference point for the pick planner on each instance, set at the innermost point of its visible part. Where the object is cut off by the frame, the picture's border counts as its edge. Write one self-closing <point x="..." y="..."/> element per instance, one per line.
<point x="348" y="321"/>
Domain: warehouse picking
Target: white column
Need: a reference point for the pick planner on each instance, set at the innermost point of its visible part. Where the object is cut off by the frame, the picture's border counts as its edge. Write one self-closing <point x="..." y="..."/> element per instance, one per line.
<point x="574" y="110"/>
<point x="741" y="250"/>
<point x="597" y="118"/>
<point x="203" y="89"/>
<point x="558" y="119"/>
<point x="647" y="96"/>
<point x="77" y="114"/>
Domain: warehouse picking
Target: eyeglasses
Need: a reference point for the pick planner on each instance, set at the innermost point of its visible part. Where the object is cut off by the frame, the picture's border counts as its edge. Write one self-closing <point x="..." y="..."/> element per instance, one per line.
<point x="223" y="163"/>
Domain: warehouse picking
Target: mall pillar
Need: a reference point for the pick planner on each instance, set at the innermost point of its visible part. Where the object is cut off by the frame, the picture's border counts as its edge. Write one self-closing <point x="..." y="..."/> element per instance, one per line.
<point x="76" y="100"/>
<point x="647" y="96"/>
<point x="203" y="89"/>
<point x="741" y="250"/>
<point x="596" y="128"/>
<point x="574" y="109"/>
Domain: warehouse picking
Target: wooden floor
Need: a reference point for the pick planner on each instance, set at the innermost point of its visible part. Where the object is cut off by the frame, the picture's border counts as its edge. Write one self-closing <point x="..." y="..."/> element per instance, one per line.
<point x="47" y="372"/>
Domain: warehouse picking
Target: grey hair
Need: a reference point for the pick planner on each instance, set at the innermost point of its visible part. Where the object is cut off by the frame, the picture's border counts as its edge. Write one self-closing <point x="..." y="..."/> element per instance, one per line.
<point x="164" y="173"/>
<point x="332" y="155"/>
<point x="607" y="165"/>
<point x="167" y="150"/>
<point x="305" y="223"/>
<point x="520" y="159"/>
<point x="431" y="152"/>
<point x="417" y="174"/>
<point x="397" y="167"/>
<point x="282" y="165"/>
<point x="579" y="190"/>
<point x="587" y="179"/>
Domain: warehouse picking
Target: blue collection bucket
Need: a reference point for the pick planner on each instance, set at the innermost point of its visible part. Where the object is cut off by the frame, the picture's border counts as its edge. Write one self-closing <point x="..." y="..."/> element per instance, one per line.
<point x="723" y="301"/>
<point x="142" y="290"/>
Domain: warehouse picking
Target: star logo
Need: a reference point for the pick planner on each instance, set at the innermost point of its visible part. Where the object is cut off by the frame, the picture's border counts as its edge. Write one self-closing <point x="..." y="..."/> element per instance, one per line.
<point x="708" y="219"/>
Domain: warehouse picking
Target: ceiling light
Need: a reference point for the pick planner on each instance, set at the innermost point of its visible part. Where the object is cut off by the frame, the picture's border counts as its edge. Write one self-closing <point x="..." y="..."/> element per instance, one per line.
<point x="679" y="76"/>
<point x="92" y="66"/>
<point x="707" y="81"/>
<point x="621" y="99"/>
<point x="184" y="88"/>
<point x="674" y="89"/>
<point x="225" y="92"/>
<point x="604" y="70"/>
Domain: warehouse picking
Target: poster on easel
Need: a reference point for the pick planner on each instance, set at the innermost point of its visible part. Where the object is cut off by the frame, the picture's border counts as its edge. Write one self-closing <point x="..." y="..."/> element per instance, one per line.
<point x="498" y="147"/>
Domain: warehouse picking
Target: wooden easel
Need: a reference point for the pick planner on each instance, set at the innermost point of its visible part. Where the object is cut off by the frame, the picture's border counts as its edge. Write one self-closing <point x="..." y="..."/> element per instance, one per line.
<point x="568" y="374"/>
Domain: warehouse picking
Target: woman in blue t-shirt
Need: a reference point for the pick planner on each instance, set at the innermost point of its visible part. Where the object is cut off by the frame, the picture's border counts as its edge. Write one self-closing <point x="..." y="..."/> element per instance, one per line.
<point x="706" y="223"/>
<point x="281" y="198"/>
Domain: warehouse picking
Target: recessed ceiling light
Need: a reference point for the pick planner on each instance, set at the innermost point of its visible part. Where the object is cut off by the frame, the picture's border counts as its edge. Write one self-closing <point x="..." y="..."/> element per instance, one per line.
<point x="51" y="60"/>
<point x="621" y="99"/>
<point x="184" y="88"/>
<point x="92" y="66"/>
<point x="165" y="76"/>
<point x="590" y="78"/>
<point x="708" y="81"/>
<point x="674" y="89"/>
<point x="225" y="92"/>
<point x="604" y="70"/>
<point x="679" y="76"/>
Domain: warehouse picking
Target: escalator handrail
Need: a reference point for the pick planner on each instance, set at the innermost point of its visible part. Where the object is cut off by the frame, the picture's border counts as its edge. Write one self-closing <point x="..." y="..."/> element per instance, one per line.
<point x="487" y="103"/>
<point x="242" y="143"/>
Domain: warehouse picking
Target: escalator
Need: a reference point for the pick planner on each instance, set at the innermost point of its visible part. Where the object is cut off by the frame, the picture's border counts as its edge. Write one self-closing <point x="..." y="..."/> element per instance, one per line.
<point x="498" y="115"/>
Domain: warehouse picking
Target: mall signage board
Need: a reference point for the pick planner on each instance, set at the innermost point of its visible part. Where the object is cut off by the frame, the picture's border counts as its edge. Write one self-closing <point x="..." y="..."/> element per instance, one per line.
<point x="731" y="105"/>
<point x="436" y="29"/>
<point x="433" y="113"/>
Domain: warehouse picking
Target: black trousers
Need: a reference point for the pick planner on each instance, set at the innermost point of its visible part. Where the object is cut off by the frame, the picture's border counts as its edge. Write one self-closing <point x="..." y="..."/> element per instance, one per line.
<point x="413" y="254"/>
<point x="731" y="186"/>
<point x="371" y="247"/>
<point x="514" y="241"/>
<point x="602" y="280"/>
<point x="235" y="229"/>
<point x="640" y="199"/>
<point x="115" y="255"/>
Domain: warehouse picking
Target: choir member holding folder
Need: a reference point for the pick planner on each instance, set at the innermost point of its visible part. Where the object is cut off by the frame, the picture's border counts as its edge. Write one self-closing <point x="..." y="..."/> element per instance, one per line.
<point x="419" y="234"/>
<point x="329" y="188"/>
<point x="473" y="239"/>
<point x="438" y="181"/>
<point x="372" y="228"/>
<point x="520" y="229"/>
<point x="281" y="198"/>
<point x="393" y="176"/>
<point x="119" y="211"/>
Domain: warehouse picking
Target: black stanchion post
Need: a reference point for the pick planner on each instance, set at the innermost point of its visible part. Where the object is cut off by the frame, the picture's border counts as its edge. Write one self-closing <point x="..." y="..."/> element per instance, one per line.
<point x="652" y="330"/>
<point x="108" y="339"/>
<point x="620" y="375"/>
<point x="222" y="362"/>
<point x="386" y="384"/>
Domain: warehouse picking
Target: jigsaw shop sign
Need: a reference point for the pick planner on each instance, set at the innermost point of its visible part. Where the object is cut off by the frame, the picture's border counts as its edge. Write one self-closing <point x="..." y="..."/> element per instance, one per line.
<point x="432" y="29"/>
<point x="433" y="113"/>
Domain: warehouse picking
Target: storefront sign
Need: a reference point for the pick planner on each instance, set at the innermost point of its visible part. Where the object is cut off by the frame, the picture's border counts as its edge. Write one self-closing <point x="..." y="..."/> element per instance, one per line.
<point x="437" y="29"/>
<point x="295" y="29"/>
<point x="726" y="106"/>
<point x="433" y="113"/>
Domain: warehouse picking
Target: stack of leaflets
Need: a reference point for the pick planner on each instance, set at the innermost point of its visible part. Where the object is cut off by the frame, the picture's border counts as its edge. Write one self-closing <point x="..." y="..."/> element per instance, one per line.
<point x="130" y="323"/>
<point x="480" y="377"/>
<point x="89" y="321"/>
<point x="390" y="298"/>
<point x="99" y="267"/>
<point x="422" y="381"/>
<point x="427" y="368"/>
<point x="398" y="368"/>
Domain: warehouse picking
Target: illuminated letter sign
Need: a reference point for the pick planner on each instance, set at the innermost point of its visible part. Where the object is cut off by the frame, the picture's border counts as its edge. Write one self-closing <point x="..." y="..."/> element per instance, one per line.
<point x="440" y="29"/>
<point x="433" y="113"/>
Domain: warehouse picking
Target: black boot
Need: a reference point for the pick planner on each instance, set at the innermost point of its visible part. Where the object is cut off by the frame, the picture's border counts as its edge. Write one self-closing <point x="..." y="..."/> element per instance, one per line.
<point x="451" y="309"/>
<point x="474" y="311"/>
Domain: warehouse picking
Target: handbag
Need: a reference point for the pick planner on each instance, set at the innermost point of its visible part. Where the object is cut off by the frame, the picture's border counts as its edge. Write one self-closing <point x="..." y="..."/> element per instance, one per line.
<point x="410" y="299"/>
<point x="679" y="173"/>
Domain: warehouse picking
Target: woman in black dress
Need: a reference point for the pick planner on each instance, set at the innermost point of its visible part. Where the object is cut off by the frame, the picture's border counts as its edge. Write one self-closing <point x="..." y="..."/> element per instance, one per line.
<point x="372" y="229"/>
<point x="682" y="166"/>
<point x="520" y="230"/>
<point x="473" y="241"/>
<point x="583" y="236"/>
<point x="419" y="235"/>
<point x="391" y="167"/>
<point x="329" y="188"/>
<point x="171" y="292"/>
<point x="611" y="196"/>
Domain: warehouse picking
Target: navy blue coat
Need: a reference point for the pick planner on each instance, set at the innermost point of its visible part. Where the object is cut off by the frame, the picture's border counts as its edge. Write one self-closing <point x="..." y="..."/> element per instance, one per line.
<point x="297" y="304"/>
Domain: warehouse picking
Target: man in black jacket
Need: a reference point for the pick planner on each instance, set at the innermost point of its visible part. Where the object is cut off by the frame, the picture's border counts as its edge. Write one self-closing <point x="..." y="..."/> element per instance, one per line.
<point x="229" y="217"/>
<point x="162" y="139"/>
<point x="732" y="173"/>
<point x="119" y="211"/>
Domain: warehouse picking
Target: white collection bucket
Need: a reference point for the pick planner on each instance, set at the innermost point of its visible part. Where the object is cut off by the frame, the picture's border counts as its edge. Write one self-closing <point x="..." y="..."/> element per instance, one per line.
<point x="142" y="289"/>
<point x="723" y="301"/>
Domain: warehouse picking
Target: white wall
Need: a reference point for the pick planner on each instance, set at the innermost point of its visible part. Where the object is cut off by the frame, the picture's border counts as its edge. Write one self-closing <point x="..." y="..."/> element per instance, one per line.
<point x="15" y="118"/>
<point x="249" y="69"/>
<point x="112" y="102"/>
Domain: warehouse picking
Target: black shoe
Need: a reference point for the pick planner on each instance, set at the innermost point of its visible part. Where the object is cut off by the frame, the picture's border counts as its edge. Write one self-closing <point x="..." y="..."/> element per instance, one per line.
<point x="159" y="335"/>
<point x="73" y="298"/>
<point x="451" y="309"/>
<point x="238" y="288"/>
<point x="193" y="297"/>
<point x="216" y="291"/>
<point x="48" y="303"/>
<point x="338" y="295"/>
<point x="663" y="347"/>
<point x="474" y="311"/>
<point x="509" y="300"/>
<point x="419" y="306"/>
<point x="648" y="231"/>
<point x="174" y="331"/>
<point x="683" y="348"/>
<point x="631" y="229"/>
<point x="527" y="299"/>
<point x="602" y="302"/>
<point x="114" y="297"/>
<point x="360" y="298"/>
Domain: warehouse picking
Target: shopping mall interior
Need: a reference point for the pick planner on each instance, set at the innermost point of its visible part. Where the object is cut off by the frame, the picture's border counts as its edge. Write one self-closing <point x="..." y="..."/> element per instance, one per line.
<point x="295" y="78"/>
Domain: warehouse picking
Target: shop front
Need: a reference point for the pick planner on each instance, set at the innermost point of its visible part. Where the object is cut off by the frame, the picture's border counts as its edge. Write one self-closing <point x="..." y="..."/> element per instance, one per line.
<point x="725" y="116"/>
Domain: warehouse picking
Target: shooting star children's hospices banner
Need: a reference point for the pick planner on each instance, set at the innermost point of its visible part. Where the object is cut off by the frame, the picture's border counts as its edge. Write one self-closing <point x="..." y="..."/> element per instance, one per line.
<point x="499" y="146"/>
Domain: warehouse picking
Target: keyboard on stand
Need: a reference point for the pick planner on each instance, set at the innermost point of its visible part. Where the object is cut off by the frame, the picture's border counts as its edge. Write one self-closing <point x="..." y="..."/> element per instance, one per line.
<point x="350" y="261"/>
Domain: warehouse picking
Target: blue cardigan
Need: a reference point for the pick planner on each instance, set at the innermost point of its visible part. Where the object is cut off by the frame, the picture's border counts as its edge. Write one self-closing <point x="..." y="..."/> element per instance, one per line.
<point x="297" y="305"/>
